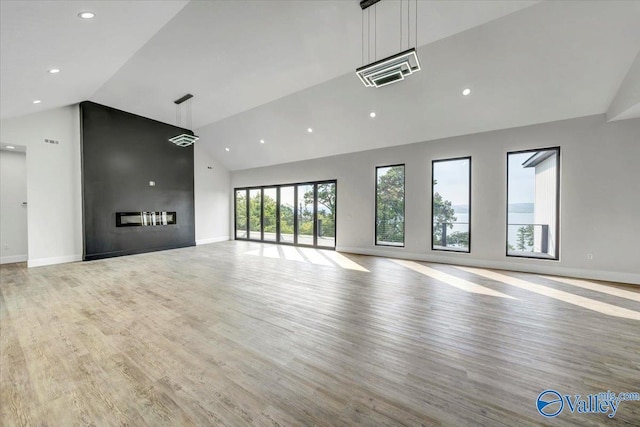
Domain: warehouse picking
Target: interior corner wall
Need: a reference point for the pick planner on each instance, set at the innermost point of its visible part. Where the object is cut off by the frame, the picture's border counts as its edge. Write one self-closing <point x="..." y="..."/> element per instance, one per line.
<point x="211" y="182"/>
<point x="599" y="203"/>
<point x="627" y="98"/>
<point x="54" y="215"/>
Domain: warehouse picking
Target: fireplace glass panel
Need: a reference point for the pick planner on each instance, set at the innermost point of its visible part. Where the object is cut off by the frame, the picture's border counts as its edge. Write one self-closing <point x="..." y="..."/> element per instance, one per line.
<point x="143" y="219"/>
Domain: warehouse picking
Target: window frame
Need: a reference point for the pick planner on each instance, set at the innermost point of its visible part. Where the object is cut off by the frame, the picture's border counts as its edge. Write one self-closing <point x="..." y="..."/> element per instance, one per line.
<point x="557" y="214"/>
<point x="433" y="163"/>
<point x="404" y="207"/>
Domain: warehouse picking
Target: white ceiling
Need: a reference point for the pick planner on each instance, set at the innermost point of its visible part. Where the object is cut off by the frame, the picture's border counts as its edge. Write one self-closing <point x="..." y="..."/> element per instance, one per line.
<point x="552" y="61"/>
<point x="237" y="55"/>
<point x="36" y="36"/>
<point x="270" y="69"/>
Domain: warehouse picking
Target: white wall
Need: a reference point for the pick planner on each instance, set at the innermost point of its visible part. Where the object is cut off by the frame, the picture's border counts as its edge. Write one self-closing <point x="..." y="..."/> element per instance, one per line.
<point x="54" y="186"/>
<point x="545" y="204"/>
<point x="211" y="197"/>
<point x="53" y="182"/>
<point x="600" y="207"/>
<point x="13" y="215"/>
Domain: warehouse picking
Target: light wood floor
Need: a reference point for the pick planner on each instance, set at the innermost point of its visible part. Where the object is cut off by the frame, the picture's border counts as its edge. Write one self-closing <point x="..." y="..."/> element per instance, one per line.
<point x="241" y="333"/>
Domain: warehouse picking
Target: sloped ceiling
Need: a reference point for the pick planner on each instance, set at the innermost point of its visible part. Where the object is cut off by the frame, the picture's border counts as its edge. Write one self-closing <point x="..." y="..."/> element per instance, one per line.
<point x="269" y="70"/>
<point x="553" y="61"/>
<point x="36" y="36"/>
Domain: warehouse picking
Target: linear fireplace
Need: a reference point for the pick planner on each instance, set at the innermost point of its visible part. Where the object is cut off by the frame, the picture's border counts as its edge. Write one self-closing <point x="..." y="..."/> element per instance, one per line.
<point x="143" y="219"/>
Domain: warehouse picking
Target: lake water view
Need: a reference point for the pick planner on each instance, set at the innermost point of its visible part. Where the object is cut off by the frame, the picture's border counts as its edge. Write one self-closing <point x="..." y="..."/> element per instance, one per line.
<point x="462" y="223"/>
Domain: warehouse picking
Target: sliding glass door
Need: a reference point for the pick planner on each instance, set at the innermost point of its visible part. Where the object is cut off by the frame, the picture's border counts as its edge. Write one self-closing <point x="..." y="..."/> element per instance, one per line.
<point x="296" y="214"/>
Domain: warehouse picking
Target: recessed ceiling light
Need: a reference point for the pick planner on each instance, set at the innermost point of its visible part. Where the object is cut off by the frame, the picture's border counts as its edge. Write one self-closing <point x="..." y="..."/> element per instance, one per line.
<point x="54" y="71"/>
<point x="86" y="15"/>
<point x="37" y="101"/>
<point x="10" y="147"/>
<point x="372" y="114"/>
<point x="466" y="91"/>
<point x="309" y="130"/>
<point x="262" y="141"/>
<point x="226" y="149"/>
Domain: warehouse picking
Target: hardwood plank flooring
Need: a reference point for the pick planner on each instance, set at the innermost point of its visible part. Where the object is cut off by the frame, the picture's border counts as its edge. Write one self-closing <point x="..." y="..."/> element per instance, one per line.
<point x="241" y="333"/>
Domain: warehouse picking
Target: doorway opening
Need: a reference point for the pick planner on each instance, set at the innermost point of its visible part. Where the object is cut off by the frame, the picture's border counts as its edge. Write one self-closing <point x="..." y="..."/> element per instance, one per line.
<point x="13" y="204"/>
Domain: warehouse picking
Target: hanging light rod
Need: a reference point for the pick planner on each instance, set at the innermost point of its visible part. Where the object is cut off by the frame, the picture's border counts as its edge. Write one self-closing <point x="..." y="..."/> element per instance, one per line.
<point x="367" y="3"/>
<point x="184" y="98"/>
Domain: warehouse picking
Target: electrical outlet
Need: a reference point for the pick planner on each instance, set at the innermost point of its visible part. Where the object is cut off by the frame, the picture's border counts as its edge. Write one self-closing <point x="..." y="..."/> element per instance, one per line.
<point x="589" y="256"/>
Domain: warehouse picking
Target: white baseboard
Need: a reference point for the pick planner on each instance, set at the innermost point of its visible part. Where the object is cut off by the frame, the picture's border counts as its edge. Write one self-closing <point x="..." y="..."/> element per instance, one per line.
<point x="462" y="259"/>
<point x="54" y="260"/>
<point x="13" y="258"/>
<point x="212" y="240"/>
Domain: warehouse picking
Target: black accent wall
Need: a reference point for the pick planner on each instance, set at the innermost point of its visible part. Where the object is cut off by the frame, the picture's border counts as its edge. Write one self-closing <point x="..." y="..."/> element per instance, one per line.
<point x="121" y="153"/>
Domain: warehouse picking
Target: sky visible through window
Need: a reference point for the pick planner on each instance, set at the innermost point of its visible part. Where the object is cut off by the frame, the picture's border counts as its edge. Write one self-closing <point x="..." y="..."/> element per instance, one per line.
<point x="455" y="174"/>
<point x="521" y="180"/>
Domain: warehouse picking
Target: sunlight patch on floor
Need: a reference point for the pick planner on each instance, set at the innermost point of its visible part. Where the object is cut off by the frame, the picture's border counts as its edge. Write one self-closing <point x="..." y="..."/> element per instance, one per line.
<point x="611" y="290"/>
<point x="326" y="258"/>
<point x="291" y="253"/>
<point x="590" y="304"/>
<point x="315" y="257"/>
<point x="343" y="261"/>
<point x="270" y="252"/>
<point x="454" y="281"/>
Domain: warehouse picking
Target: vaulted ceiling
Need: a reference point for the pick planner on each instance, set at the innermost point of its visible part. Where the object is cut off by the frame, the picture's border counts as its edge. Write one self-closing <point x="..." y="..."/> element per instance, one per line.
<point x="271" y="69"/>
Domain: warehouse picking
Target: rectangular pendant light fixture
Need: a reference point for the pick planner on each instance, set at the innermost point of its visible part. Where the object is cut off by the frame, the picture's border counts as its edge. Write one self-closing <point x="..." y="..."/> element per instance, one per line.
<point x="389" y="70"/>
<point x="184" y="140"/>
<point x="393" y="68"/>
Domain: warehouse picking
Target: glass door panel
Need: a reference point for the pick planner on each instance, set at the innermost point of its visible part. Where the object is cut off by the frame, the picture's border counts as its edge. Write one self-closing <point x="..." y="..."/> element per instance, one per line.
<point x="305" y="215"/>
<point x="269" y="201"/>
<point x="255" y="214"/>
<point x="326" y="208"/>
<point x="241" y="214"/>
<point x="287" y="207"/>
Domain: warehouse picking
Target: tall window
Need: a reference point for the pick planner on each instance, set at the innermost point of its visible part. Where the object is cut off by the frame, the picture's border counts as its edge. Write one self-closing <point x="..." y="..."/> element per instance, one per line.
<point x="390" y="205"/>
<point x="451" y="208"/>
<point x="533" y="190"/>
<point x="299" y="214"/>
